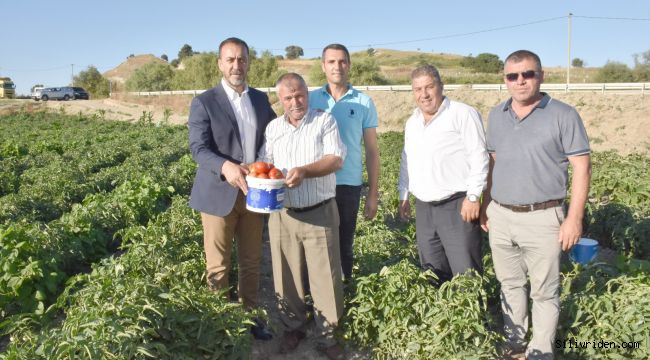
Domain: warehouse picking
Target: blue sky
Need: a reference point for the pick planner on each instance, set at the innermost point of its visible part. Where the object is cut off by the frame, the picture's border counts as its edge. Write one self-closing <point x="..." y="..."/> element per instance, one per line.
<point x="42" y="38"/>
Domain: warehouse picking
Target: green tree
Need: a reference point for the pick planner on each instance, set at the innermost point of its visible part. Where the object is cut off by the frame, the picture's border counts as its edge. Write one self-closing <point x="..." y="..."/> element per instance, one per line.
<point x="164" y="57"/>
<point x="263" y="71"/>
<point x="199" y="72"/>
<point x="643" y="58"/>
<point x="641" y="73"/>
<point x="614" y="71"/>
<point x="91" y="80"/>
<point x="577" y="62"/>
<point x="641" y="70"/>
<point x="294" y="52"/>
<point x="185" y="51"/>
<point x="151" y="77"/>
<point x="316" y="74"/>
<point x="364" y="71"/>
<point x="252" y="53"/>
<point x="485" y="62"/>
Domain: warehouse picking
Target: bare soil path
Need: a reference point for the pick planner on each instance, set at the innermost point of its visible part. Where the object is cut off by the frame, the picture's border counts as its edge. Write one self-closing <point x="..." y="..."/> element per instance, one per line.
<point x="618" y="122"/>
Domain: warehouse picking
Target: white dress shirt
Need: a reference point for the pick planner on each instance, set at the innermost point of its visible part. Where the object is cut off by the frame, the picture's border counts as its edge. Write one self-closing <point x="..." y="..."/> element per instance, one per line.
<point x="288" y="147"/>
<point x="446" y="156"/>
<point x="246" y="119"/>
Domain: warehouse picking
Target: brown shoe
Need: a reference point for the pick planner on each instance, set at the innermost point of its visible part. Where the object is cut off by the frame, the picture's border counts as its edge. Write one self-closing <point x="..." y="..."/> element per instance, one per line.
<point x="290" y="340"/>
<point x="334" y="352"/>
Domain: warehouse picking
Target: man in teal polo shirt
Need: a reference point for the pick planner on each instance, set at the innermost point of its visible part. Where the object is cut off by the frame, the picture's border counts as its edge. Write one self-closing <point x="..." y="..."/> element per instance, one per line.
<point x="356" y="118"/>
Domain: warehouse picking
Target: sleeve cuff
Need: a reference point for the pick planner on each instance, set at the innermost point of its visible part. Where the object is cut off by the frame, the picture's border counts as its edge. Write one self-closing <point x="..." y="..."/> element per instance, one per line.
<point x="403" y="194"/>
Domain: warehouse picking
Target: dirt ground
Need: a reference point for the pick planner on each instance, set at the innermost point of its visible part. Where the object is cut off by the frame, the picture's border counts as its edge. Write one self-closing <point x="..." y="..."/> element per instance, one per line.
<point x="618" y="122"/>
<point x="268" y="350"/>
<point x="110" y="109"/>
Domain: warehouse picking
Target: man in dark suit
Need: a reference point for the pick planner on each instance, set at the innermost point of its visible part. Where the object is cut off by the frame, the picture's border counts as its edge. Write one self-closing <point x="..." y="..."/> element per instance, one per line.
<point x="226" y="130"/>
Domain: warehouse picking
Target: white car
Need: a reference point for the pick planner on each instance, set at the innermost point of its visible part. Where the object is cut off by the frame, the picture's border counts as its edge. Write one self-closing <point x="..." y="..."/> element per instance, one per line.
<point x="36" y="93"/>
<point x="60" y="93"/>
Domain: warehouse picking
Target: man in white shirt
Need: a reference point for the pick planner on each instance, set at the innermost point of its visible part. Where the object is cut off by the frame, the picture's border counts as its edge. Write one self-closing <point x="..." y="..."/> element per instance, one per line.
<point x="226" y="129"/>
<point x="444" y="165"/>
<point x="305" y="144"/>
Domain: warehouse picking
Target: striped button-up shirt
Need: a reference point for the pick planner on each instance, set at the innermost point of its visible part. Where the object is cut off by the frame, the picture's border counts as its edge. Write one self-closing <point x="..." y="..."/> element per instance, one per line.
<point x="288" y="147"/>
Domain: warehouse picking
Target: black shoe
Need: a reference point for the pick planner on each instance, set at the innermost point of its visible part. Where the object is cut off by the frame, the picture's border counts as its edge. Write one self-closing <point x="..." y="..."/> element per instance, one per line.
<point x="260" y="332"/>
<point x="290" y="341"/>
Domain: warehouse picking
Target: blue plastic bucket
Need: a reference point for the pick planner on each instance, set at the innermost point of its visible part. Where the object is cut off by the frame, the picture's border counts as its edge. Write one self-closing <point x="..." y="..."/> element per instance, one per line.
<point x="584" y="251"/>
<point x="264" y="195"/>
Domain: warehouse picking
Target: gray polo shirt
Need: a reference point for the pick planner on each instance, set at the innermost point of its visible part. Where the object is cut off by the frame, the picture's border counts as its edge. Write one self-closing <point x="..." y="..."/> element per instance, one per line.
<point x="532" y="153"/>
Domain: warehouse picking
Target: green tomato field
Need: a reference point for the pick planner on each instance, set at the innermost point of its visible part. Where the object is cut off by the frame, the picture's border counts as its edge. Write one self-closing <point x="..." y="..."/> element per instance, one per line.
<point x="101" y="258"/>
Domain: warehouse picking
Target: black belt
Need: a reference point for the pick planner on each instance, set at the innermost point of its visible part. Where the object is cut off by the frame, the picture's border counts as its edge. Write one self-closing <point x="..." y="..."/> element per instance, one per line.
<point x="309" y="208"/>
<point x="453" y="197"/>
<point x="532" y="207"/>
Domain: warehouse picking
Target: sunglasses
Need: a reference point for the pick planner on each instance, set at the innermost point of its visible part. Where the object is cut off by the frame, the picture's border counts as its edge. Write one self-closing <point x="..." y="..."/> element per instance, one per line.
<point x="527" y="75"/>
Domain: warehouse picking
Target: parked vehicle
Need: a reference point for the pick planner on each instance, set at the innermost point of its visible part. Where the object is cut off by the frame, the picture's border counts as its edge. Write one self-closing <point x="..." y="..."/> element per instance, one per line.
<point x="36" y="93"/>
<point x="7" y="88"/>
<point x="62" y="93"/>
<point x="80" y="93"/>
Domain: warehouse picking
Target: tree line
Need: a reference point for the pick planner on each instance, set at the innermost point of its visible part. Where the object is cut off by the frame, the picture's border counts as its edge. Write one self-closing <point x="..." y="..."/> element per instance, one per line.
<point x="193" y="70"/>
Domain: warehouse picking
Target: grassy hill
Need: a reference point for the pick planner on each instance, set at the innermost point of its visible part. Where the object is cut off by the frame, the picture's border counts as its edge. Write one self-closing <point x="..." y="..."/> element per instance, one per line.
<point x="395" y="65"/>
<point x="121" y="73"/>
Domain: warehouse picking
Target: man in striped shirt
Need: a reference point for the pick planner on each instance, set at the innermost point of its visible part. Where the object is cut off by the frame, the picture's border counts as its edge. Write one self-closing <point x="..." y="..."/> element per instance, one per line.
<point x="305" y="144"/>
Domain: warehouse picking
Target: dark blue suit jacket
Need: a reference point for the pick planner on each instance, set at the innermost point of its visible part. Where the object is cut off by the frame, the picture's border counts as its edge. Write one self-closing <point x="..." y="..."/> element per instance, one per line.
<point x="214" y="138"/>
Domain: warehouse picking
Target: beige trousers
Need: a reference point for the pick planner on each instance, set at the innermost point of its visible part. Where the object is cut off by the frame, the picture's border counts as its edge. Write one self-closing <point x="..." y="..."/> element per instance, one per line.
<point x="525" y="245"/>
<point x="218" y="233"/>
<point x="308" y="240"/>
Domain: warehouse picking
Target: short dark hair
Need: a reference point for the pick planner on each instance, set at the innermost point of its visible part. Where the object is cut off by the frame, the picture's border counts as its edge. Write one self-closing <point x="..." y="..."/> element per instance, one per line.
<point x="233" y="40"/>
<point x="428" y="70"/>
<point x="336" y="46"/>
<point x="520" y="55"/>
<point x="290" y="76"/>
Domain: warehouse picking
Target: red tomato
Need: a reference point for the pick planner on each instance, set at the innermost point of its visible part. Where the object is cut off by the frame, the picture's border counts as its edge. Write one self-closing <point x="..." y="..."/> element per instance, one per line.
<point x="275" y="173"/>
<point x="263" y="175"/>
<point x="252" y="174"/>
<point x="261" y="167"/>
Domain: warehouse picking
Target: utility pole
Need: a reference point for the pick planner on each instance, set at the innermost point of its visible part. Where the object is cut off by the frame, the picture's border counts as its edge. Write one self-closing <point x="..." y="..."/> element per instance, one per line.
<point x="72" y="75"/>
<point x="568" y="65"/>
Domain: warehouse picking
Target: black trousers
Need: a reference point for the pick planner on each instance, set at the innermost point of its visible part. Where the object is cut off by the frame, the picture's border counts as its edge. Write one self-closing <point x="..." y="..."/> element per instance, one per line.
<point x="347" y="199"/>
<point x="447" y="244"/>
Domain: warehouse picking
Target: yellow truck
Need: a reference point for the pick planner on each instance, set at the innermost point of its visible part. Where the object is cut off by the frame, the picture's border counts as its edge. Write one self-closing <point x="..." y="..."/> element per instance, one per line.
<point x="7" y="88"/>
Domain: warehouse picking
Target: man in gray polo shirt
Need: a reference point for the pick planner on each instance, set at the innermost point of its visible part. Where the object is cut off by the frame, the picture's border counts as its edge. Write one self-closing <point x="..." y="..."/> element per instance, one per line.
<point x="532" y="139"/>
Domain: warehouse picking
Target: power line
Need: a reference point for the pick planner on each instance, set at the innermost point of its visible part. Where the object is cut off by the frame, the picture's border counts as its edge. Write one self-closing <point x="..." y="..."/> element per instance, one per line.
<point x="374" y="44"/>
<point x="611" y="18"/>
<point x="446" y="36"/>
<point x="465" y="34"/>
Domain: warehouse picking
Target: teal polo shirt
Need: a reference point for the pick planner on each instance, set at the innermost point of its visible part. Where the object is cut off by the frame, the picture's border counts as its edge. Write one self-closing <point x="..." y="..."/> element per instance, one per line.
<point x="354" y="112"/>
